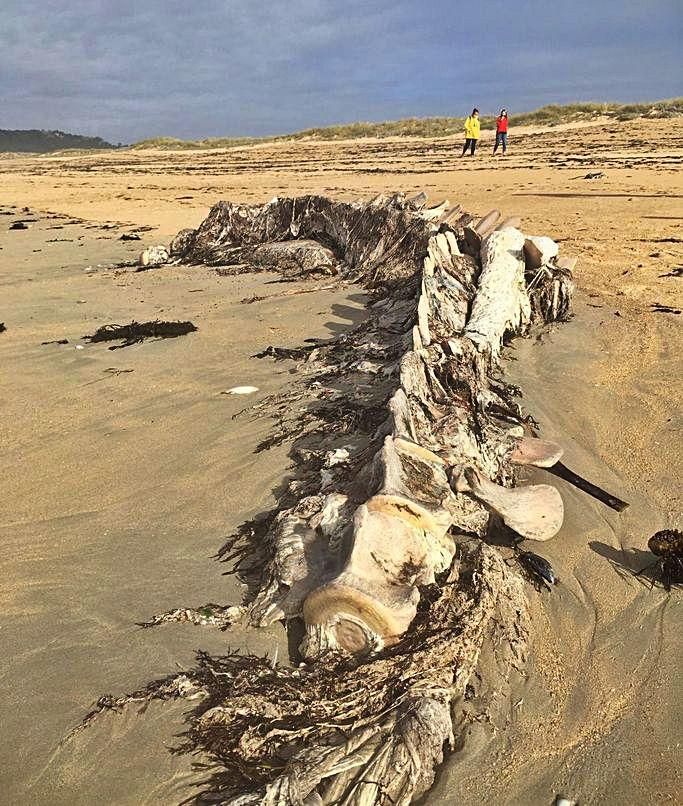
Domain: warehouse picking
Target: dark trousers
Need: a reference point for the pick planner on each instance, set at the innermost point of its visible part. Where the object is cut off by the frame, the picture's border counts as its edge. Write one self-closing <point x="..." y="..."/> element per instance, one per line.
<point x="501" y="139"/>
<point x="470" y="143"/>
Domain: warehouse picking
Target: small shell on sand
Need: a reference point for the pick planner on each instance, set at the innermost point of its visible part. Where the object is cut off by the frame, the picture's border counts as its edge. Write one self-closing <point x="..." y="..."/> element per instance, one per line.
<point x="241" y="390"/>
<point x="562" y="801"/>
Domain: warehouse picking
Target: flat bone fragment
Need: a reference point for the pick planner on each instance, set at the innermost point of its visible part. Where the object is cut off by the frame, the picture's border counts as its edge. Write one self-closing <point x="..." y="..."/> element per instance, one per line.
<point x="418" y="200"/>
<point x="417" y="339"/>
<point x="423" y="319"/>
<point x="512" y="221"/>
<point x="535" y="512"/>
<point x="537" y="452"/>
<point x="487" y="223"/>
<point x="539" y="250"/>
<point x="431" y="213"/>
<point x="442" y="243"/>
<point x="452" y="242"/>
<point x="452" y="214"/>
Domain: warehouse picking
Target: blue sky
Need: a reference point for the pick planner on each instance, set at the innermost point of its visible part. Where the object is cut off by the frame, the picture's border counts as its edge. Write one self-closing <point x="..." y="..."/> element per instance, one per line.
<point x="126" y="70"/>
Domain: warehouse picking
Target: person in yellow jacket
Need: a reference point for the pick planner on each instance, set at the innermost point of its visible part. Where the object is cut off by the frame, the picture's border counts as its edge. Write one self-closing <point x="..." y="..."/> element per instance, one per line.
<point x="471" y="132"/>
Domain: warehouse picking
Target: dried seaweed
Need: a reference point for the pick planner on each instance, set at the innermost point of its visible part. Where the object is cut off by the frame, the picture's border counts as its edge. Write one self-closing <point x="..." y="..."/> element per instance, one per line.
<point x="272" y="727"/>
<point x="136" y="332"/>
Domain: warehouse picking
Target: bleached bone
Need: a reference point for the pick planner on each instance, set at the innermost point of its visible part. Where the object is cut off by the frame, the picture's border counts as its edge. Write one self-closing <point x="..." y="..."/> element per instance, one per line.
<point x="539" y="250"/>
<point x="399" y="540"/>
<point x="423" y="318"/>
<point x="535" y="512"/>
<point x="154" y="256"/>
<point x="537" y="452"/>
<point x="453" y="243"/>
<point x="442" y="243"/>
<point x="487" y="223"/>
<point x="501" y="305"/>
<point x="418" y="200"/>
<point x="432" y="213"/>
<point x="453" y="213"/>
<point x="512" y="221"/>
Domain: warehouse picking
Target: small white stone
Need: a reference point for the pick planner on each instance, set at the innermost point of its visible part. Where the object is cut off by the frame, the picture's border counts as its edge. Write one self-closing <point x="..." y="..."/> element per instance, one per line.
<point x="241" y="390"/>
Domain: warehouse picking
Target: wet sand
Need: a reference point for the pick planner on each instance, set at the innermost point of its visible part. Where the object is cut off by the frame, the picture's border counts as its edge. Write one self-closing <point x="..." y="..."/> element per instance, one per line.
<point x="597" y="718"/>
<point x="118" y="489"/>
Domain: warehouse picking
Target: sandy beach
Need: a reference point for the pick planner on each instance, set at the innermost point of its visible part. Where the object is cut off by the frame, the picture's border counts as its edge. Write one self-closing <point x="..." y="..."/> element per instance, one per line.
<point x="125" y="471"/>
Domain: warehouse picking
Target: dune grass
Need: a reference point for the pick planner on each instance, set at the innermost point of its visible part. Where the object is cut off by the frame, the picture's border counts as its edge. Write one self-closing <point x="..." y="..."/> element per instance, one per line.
<point x="551" y="115"/>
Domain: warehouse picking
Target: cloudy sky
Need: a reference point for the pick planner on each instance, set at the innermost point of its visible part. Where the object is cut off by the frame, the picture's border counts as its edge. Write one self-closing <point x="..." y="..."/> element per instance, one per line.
<point x="130" y="69"/>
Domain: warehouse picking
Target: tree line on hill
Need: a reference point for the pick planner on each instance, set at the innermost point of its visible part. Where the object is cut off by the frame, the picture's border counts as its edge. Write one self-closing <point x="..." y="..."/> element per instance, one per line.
<point x="40" y="141"/>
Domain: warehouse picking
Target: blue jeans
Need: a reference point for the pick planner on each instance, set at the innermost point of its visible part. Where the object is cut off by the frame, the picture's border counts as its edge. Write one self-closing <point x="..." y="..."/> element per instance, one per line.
<point x="501" y="138"/>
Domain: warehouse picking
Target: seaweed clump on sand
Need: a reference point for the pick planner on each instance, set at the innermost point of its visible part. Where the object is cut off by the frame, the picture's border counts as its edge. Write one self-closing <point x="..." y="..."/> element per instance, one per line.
<point x="136" y="332"/>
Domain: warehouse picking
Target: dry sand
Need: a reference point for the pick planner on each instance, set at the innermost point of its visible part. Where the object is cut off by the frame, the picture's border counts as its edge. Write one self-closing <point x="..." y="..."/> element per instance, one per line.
<point x="118" y="489"/>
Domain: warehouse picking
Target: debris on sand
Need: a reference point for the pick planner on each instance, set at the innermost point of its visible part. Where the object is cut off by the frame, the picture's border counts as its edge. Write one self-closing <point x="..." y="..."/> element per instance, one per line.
<point x="136" y="332"/>
<point x="153" y="256"/>
<point x="539" y="570"/>
<point x="658" y="307"/>
<point x="291" y="292"/>
<point x="2" y="327"/>
<point x="241" y="390"/>
<point x="56" y="341"/>
<point x="667" y="546"/>
<point x="595" y="175"/>
<point x="675" y="272"/>
<point x="210" y="614"/>
<point x="370" y="546"/>
<point x="129" y="236"/>
<point x="18" y="225"/>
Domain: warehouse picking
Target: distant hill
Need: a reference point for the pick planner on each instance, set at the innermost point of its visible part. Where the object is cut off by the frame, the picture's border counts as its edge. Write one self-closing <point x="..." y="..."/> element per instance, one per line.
<point x="37" y="141"/>
<point x="552" y="115"/>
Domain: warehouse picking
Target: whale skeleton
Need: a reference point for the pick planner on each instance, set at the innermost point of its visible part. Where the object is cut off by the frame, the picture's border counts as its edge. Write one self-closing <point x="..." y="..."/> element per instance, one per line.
<point x="416" y="447"/>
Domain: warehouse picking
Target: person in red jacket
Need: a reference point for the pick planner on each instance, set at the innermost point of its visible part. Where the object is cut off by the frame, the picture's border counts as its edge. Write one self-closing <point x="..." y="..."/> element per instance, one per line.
<point x="501" y="131"/>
